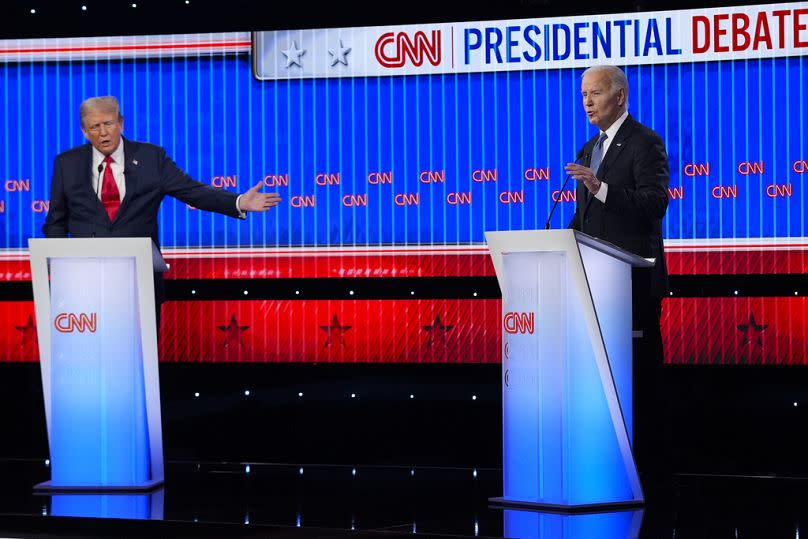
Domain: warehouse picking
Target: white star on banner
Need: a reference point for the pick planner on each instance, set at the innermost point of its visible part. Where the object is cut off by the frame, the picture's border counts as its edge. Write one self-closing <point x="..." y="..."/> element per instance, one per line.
<point x="339" y="56"/>
<point x="293" y="55"/>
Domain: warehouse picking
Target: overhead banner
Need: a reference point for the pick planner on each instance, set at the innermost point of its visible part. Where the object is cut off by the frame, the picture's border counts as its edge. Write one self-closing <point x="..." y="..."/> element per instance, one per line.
<point x="662" y="37"/>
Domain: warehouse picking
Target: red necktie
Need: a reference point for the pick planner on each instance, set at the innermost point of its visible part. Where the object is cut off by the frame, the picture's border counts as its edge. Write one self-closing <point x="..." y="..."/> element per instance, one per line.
<point x="110" y="196"/>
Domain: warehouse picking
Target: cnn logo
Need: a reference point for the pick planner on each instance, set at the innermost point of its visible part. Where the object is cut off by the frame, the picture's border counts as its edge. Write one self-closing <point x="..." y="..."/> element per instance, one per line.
<point x="515" y="322"/>
<point x="72" y="322"/>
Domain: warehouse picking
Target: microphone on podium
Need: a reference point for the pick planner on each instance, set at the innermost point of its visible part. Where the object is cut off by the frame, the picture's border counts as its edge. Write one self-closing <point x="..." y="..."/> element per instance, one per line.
<point x="580" y="156"/>
<point x="98" y="183"/>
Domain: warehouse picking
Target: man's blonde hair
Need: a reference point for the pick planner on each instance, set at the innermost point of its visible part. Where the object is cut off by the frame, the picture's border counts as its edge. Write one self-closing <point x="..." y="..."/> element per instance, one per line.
<point x="106" y="103"/>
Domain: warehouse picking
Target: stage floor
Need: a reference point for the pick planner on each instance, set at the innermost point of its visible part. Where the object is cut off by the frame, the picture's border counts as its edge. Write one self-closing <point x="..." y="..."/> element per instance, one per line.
<point x="205" y="499"/>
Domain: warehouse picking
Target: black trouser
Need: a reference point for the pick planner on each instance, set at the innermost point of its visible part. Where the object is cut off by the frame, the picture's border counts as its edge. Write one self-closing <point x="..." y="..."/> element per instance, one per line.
<point x="651" y="403"/>
<point x="159" y="298"/>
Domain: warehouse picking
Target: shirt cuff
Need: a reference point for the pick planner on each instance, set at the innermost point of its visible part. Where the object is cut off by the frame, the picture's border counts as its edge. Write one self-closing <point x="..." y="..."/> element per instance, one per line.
<point x="243" y="214"/>
<point x="601" y="194"/>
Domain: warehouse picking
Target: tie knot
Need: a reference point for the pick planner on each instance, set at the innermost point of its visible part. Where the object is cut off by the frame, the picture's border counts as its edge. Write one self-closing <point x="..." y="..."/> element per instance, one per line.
<point x="108" y="159"/>
<point x="602" y="138"/>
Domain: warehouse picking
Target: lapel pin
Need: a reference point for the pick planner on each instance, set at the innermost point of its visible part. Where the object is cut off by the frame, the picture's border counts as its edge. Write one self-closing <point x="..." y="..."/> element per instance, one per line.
<point x="134" y="161"/>
<point x="618" y="144"/>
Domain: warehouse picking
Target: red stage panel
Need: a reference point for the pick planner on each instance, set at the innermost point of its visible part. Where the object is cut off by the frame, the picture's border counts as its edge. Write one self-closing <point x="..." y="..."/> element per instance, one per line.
<point x="18" y="332"/>
<point x="375" y="331"/>
<point x="748" y="331"/>
<point x="459" y="261"/>
<point x="759" y="331"/>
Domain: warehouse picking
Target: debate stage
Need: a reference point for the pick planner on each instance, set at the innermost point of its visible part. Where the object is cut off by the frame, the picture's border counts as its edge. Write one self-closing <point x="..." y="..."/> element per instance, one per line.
<point x="736" y="455"/>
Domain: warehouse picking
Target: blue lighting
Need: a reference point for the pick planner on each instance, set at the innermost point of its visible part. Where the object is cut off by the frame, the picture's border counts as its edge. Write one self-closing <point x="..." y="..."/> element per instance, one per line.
<point x="535" y="525"/>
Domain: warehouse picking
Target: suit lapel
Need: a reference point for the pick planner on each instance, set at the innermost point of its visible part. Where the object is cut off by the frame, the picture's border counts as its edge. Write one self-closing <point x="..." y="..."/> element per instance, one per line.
<point x="616" y="146"/>
<point x="130" y="173"/>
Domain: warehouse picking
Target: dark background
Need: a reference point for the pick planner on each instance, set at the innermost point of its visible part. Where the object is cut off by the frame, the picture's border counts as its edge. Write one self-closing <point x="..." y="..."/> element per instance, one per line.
<point x="717" y="419"/>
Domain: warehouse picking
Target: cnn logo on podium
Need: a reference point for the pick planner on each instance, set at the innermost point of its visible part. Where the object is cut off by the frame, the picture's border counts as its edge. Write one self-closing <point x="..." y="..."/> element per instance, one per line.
<point x="73" y="322"/>
<point x="516" y="322"/>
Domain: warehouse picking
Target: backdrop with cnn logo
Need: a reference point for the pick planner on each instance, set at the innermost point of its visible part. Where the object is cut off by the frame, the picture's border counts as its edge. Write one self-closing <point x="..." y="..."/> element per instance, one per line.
<point x="395" y="148"/>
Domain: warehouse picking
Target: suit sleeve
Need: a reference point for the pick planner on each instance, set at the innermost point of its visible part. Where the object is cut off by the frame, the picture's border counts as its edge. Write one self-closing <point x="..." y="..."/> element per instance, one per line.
<point x="56" y="221"/>
<point x="180" y="185"/>
<point x="648" y="199"/>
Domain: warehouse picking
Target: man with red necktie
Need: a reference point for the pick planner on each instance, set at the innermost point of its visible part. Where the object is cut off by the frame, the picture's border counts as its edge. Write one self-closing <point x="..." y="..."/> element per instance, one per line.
<point x="113" y="187"/>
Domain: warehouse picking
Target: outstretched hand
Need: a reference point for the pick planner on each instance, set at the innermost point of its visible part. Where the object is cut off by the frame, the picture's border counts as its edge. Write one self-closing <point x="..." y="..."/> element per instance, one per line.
<point x="253" y="200"/>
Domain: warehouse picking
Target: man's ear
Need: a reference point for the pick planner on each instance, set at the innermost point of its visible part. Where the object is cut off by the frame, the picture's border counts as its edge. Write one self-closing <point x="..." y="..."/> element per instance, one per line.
<point x="621" y="96"/>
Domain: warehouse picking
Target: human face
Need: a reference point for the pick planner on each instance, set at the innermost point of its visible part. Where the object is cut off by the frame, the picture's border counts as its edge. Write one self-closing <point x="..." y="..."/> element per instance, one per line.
<point x="103" y="130"/>
<point x="603" y="105"/>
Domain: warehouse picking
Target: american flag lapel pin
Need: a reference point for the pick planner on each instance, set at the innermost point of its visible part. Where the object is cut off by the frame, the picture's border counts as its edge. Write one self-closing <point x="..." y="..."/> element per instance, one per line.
<point x="134" y="161"/>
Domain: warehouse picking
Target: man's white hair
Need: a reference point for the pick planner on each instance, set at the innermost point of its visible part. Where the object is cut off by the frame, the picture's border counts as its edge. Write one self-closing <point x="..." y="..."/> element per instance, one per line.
<point x="617" y="79"/>
<point x="106" y="103"/>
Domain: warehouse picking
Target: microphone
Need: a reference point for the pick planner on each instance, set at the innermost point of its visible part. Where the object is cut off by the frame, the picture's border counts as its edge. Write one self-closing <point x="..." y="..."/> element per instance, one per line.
<point x="580" y="156"/>
<point x="98" y="183"/>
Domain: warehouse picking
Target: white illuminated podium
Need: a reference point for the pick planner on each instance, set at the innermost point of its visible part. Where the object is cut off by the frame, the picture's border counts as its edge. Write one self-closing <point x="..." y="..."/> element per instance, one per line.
<point x="95" y="312"/>
<point x="566" y="366"/>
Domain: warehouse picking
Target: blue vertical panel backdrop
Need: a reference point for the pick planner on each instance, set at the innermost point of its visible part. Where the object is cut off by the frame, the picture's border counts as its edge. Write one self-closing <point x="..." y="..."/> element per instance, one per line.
<point x="215" y="119"/>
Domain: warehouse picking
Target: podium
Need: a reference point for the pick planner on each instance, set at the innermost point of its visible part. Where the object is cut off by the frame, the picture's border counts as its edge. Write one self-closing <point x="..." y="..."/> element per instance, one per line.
<point x="95" y="311"/>
<point x="566" y="371"/>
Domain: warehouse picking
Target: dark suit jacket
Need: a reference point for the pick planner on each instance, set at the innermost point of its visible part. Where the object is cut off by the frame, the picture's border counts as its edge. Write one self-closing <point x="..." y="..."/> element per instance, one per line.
<point x="149" y="173"/>
<point x="636" y="170"/>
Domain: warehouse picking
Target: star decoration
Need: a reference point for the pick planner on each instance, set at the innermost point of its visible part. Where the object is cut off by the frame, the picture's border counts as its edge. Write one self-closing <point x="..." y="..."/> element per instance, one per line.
<point x="339" y="56"/>
<point x="28" y="332"/>
<point x="439" y="329"/>
<point x="293" y="55"/>
<point x="232" y="332"/>
<point x="752" y="331"/>
<point x="335" y="331"/>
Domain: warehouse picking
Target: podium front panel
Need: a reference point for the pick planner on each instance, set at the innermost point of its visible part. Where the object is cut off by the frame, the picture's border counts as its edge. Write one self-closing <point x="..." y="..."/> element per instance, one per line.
<point x="99" y="423"/>
<point x="564" y="409"/>
<point x="533" y="365"/>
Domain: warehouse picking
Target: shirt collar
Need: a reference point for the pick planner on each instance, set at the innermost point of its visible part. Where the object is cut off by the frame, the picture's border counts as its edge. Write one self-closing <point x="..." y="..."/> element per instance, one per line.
<point x="117" y="156"/>
<point x="611" y="132"/>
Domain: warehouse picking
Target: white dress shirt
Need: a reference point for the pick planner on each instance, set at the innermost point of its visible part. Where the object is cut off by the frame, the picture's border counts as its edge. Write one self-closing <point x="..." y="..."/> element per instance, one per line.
<point x="611" y="132"/>
<point x="117" y="166"/>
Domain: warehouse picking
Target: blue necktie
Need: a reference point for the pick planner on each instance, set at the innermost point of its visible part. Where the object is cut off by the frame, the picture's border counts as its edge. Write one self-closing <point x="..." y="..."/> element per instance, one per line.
<point x="597" y="154"/>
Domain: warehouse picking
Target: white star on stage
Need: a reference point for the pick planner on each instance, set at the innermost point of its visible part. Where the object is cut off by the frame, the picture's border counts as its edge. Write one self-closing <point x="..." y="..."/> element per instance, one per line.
<point x="293" y="55"/>
<point x="339" y="56"/>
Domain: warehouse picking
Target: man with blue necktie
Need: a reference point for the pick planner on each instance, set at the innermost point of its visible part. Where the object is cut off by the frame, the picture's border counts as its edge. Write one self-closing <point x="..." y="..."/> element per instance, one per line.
<point x="622" y="196"/>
